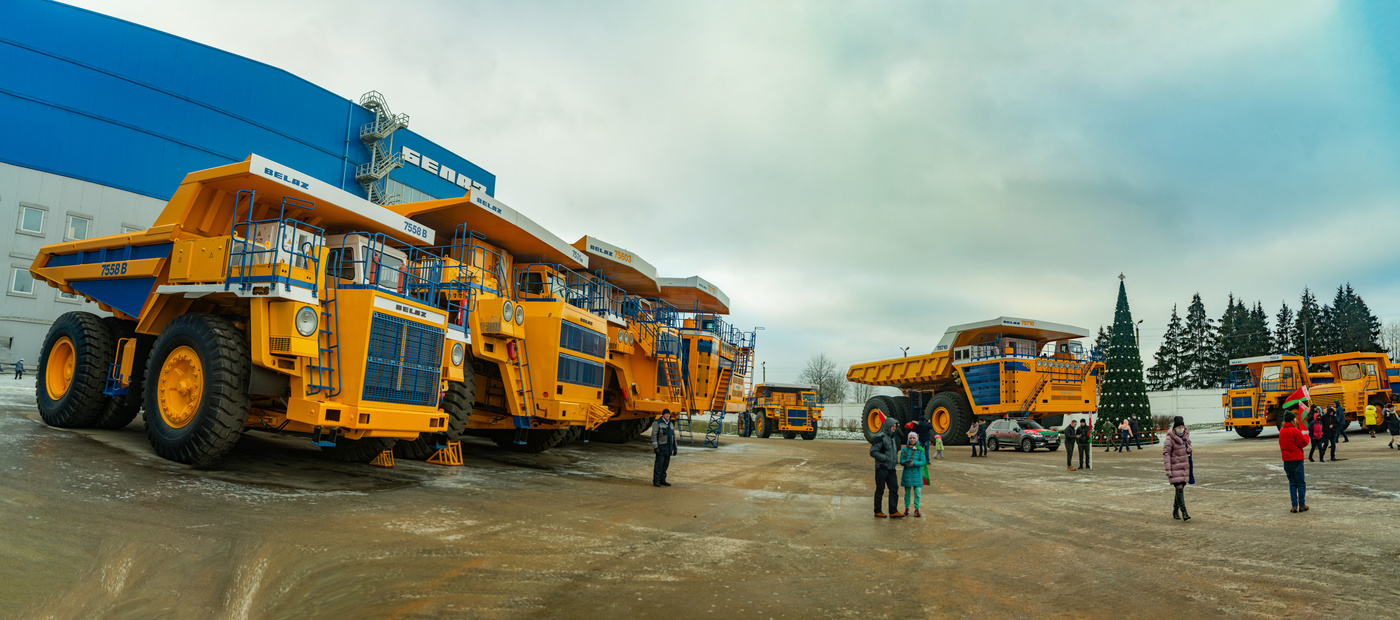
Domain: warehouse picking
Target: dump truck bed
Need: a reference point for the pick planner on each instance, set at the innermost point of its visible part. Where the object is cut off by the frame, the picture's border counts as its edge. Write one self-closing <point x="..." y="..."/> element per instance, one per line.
<point x="929" y="369"/>
<point x="905" y="371"/>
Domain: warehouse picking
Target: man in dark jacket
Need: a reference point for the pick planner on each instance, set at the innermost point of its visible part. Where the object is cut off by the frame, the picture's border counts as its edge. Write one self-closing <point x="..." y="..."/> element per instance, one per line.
<point x="663" y="443"/>
<point x="1342" y="422"/>
<point x="1071" y="436"/>
<point x="885" y="451"/>
<point x="1085" y="439"/>
<point x="982" y="435"/>
<point x="1329" y="433"/>
<point x="1133" y="427"/>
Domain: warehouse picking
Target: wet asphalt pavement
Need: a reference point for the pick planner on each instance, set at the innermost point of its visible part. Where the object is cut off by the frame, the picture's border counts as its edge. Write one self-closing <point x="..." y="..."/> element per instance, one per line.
<point x="95" y="526"/>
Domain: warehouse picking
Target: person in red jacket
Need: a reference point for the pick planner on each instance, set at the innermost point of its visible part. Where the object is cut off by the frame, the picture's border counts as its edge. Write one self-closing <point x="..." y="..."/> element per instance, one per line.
<point x="1291" y="442"/>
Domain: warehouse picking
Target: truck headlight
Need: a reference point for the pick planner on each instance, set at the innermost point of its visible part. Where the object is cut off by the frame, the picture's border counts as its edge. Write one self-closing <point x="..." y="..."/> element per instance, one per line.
<point x="508" y="311"/>
<point x="306" y="321"/>
<point x="457" y="352"/>
<point x="519" y="316"/>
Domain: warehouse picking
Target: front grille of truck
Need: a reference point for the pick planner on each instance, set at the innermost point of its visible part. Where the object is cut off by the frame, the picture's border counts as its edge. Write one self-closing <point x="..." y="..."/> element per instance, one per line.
<point x="405" y="359"/>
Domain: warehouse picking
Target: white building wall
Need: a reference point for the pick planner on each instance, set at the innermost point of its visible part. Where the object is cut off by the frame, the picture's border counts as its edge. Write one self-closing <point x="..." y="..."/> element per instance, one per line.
<point x="1195" y="406"/>
<point x="25" y="318"/>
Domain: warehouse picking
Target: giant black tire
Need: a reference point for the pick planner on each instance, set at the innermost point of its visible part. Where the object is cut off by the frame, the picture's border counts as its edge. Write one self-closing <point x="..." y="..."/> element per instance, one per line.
<point x="1248" y="432"/>
<point x="810" y="435"/>
<point x="536" y="439"/>
<point x="457" y="404"/>
<point x="1052" y="421"/>
<point x="216" y="423"/>
<point x="575" y="433"/>
<point x="901" y="409"/>
<point x="121" y="410"/>
<point x="951" y="416"/>
<point x="358" y="450"/>
<point x="763" y="425"/>
<point x="620" y="431"/>
<point x="73" y="398"/>
<point x="789" y="434"/>
<point x="877" y="410"/>
<point x="417" y="449"/>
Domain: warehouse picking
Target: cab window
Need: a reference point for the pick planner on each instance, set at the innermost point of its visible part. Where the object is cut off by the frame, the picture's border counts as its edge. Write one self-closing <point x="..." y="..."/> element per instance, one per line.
<point x="534" y="283"/>
<point x="1350" y="372"/>
<point x="1269" y="376"/>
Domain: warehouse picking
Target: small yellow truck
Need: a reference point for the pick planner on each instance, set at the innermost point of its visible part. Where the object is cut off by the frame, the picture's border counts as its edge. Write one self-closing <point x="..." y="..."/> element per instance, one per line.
<point x="1261" y="384"/>
<point x="792" y="409"/>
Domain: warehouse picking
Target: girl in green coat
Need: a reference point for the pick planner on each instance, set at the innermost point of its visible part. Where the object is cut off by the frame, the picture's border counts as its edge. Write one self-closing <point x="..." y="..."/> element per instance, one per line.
<point x="913" y="458"/>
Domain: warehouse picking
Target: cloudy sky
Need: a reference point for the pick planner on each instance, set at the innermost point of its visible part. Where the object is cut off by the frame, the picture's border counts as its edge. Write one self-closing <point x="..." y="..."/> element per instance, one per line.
<point x="858" y="176"/>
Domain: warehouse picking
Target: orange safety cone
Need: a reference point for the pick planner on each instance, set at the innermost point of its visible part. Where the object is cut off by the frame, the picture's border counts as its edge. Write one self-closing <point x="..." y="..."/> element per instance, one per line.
<point x="385" y="459"/>
<point x="450" y="456"/>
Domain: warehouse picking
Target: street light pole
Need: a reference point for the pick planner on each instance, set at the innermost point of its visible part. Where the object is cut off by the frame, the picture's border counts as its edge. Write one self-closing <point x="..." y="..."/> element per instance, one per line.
<point x="904" y="350"/>
<point x="765" y="372"/>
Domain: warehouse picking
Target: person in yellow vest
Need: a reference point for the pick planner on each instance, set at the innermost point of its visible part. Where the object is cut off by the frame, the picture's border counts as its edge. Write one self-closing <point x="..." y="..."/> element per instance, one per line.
<point x="1371" y="420"/>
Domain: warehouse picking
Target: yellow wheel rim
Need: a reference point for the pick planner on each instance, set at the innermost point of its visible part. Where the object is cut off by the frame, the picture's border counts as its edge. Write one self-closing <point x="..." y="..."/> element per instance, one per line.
<point x="58" y="373"/>
<point x="942" y="420"/>
<point x="875" y="420"/>
<point x="181" y="387"/>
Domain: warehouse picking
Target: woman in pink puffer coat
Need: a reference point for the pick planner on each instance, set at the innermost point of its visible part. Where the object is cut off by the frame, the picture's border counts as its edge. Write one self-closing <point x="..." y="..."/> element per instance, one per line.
<point x="1176" y="457"/>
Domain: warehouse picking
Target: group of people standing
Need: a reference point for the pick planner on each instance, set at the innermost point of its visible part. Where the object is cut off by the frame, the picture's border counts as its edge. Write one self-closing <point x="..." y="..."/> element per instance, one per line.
<point x="913" y="456"/>
<point x="1127" y="430"/>
<point x="1325" y="429"/>
<point x="1076" y="435"/>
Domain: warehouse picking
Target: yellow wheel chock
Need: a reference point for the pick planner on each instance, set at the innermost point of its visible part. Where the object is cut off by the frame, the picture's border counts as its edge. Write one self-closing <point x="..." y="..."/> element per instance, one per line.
<point x="450" y="456"/>
<point x="385" y="459"/>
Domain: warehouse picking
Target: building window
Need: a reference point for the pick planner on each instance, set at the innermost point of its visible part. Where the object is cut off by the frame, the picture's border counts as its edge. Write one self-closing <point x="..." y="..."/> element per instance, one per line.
<point x="68" y="296"/>
<point x="128" y="228"/>
<point x="21" y="282"/>
<point x="404" y="192"/>
<point x="31" y="219"/>
<point x="78" y="227"/>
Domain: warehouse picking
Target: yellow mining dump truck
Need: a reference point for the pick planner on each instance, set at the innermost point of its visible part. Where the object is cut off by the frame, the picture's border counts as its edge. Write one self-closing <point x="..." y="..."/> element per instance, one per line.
<point x="792" y="409"/>
<point x="678" y="354"/>
<point x="260" y="298"/>
<point x="1260" y="386"/>
<point x="536" y="343"/>
<point x="990" y="369"/>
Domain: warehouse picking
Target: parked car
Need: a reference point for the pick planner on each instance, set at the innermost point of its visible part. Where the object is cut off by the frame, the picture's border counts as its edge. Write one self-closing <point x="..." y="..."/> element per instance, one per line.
<point x="1024" y="434"/>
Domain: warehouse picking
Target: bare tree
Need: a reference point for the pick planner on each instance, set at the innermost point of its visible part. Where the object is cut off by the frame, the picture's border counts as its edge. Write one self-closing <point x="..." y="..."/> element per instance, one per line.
<point x="859" y="392"/>
<point x="821" y="370"/>
<point x="1390" y="340"/>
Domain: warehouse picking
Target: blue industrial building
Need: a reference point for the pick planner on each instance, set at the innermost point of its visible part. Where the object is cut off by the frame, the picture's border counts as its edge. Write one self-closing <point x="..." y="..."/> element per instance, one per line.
<point x="107" y="117"/>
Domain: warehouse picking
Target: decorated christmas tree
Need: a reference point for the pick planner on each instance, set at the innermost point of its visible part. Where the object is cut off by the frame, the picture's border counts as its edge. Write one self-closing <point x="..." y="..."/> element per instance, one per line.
<point x="1122" y="393"/>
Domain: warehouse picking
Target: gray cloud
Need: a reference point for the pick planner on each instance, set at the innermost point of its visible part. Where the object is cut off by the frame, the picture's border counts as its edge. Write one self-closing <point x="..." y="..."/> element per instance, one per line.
<point x="860" y="175"/>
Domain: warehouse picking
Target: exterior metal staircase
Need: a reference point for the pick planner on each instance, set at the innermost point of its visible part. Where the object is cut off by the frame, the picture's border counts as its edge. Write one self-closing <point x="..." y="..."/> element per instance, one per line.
<point x="378" y="138"/>
<point x="742" y="370"/>
<point x="325" y="372"/>
<point x="524" y="391"/>
<point x="1035" y="393"/>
